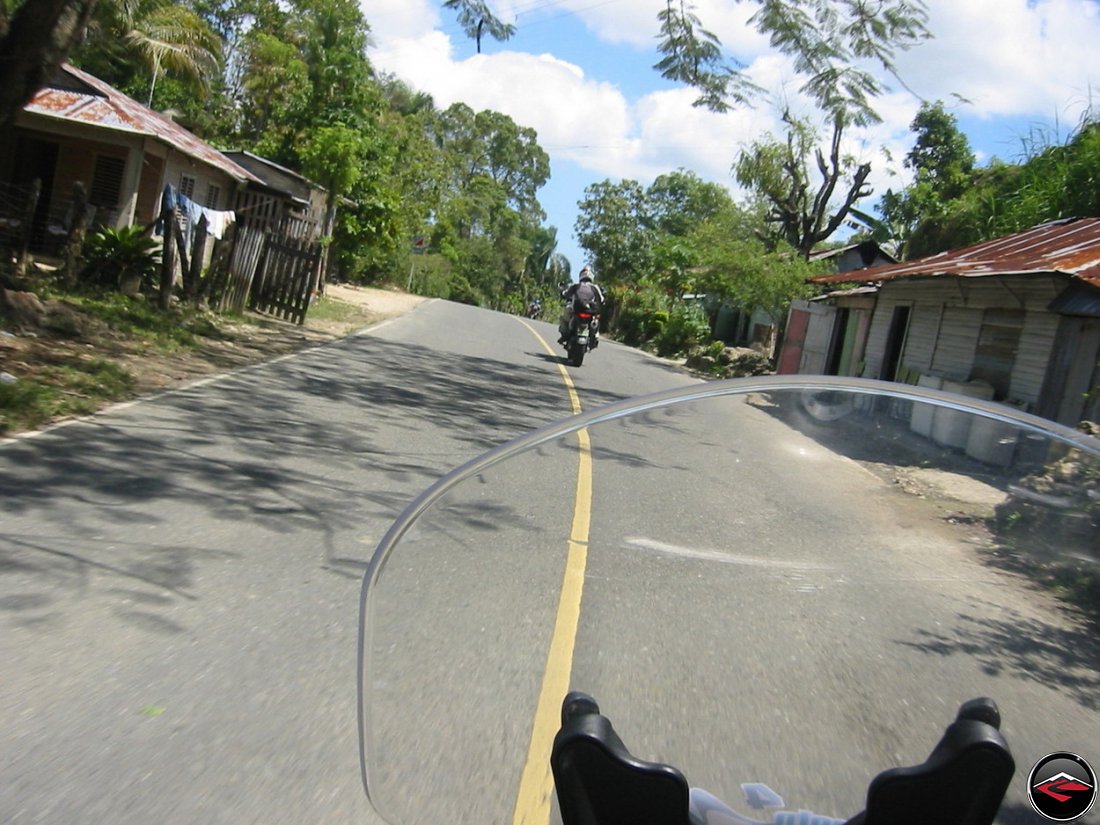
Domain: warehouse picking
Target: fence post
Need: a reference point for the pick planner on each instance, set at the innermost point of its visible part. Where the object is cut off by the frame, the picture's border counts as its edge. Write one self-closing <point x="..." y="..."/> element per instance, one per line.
<point x="198" y="252"/>
<point x="217" y="276"/>
<point x="258" y="285"/>
<point x="28" y="227"/>
<point x="181" y="248"/>
<point x="74" y="243"/>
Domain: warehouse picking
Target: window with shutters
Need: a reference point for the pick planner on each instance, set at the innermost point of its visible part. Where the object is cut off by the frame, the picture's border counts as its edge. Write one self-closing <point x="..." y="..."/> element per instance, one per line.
<point x="213" y="195"/>
<point x="998" y="343"/>
<point x="107" y="181"/>
<point x="187" y="186"/>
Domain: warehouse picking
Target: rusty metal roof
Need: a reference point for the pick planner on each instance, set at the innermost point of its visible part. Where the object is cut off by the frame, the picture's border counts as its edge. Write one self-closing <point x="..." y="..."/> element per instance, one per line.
<point x="76" y="96"/>
<point x="1069" y="247"/>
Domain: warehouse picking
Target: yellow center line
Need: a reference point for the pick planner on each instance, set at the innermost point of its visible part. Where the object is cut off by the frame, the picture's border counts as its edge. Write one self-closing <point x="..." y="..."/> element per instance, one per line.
<point x="536" y="786"/>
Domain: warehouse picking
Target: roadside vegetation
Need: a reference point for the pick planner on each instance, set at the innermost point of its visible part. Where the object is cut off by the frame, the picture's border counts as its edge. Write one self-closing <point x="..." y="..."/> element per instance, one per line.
<point x="444" y="201"/>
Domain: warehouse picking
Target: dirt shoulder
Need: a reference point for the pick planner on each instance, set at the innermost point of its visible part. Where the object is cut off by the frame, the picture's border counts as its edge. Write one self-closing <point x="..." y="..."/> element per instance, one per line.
<point x="31" y="354"/>
<point x="262" y="338"/>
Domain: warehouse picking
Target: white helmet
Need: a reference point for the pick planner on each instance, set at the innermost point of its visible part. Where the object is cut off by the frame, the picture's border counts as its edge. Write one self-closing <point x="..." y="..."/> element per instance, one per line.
<point x="586" y="275"/>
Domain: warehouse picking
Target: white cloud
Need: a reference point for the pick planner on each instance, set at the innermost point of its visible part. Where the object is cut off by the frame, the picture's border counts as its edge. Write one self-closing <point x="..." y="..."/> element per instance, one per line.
<point x="575" y="117"/>
<point x="632" y="22"/>
<point x="400" y="18"/>
<point x="1009" y="57"/>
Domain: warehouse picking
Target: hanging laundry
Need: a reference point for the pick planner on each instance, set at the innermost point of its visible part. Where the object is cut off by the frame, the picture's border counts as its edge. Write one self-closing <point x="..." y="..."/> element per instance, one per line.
<point x="217" y="220"/>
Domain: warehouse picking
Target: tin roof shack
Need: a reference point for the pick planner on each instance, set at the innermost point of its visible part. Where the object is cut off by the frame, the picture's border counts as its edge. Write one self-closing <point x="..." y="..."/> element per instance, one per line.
<point x="303" y="207"/>
<point x="1017" y="317"/>
<point x="78" y="128"/>
<point x="828" y="335"/>
<point x="757" y="328"/>
<point x="854" y="256"/>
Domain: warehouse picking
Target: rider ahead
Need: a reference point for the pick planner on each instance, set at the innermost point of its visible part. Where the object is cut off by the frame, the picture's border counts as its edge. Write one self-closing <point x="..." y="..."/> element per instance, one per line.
<point x="584" y="291"/>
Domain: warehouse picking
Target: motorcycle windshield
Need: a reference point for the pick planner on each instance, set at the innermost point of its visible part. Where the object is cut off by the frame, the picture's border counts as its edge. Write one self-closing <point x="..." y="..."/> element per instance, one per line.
<point x="790" y="583"/>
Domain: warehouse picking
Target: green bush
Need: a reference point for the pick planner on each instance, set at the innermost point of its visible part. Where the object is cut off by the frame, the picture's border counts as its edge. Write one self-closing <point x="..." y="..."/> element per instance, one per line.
<point x="114" y="256"/>
<point x="638" y="314"/>
<point x="687" y="327"/>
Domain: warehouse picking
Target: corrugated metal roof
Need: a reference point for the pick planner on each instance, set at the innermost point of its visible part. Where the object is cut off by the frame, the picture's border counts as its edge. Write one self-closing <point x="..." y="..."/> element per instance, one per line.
<point x="82" y="98"/>
<point x="263" y="168"/>
<point x="1070" y="247"/>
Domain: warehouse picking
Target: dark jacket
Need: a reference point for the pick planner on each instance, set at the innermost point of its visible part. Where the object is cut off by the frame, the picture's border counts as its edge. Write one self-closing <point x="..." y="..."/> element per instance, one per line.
<point x="583" y="291"/>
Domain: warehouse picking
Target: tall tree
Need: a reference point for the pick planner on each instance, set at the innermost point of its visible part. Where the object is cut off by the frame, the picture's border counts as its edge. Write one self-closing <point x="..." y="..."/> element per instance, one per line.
<point x="35" y="39"/>
<point x="1054" y="182"/>
<point x="273" y="94"/>
<point x="477" y="19"/>
<point x="494" y="169"/>
<point x="943" y="168"/>
<point x="780" y="172"/>
<point x="614" y="227"/>
<point x="134" y="44"/>
<point x="941" y="155"/>
<point x="678" y="201"/>
<point x="740" y="269"/>
<point x="333" y="37"/>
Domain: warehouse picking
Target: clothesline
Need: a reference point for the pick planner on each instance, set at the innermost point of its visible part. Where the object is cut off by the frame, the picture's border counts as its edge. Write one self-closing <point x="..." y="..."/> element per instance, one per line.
<point x="217" y="221"/>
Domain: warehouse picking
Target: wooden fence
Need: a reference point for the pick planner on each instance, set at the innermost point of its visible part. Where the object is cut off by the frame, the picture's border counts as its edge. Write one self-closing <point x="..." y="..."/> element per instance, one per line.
<point x="257" y="265"/>
<point x="286" y="278"/>
<point x="237" y="268"/>
<point x="266" y="263"/>
<point x="265" y="271"/>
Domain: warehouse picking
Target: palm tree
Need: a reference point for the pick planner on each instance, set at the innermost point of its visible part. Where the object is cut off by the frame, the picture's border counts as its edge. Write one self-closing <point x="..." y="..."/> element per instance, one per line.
<point x="161" y="36"/>
<point x="171" y="37"/>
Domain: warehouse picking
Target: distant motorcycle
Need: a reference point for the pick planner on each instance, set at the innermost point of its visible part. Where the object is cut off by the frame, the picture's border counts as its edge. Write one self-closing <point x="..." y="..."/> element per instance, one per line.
<point x="534" y="309"/>
<point x="584" y="328"/>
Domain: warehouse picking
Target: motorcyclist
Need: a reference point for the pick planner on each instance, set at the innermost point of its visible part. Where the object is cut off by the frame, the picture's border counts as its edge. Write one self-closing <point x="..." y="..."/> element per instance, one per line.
<point x="584" y="290"/>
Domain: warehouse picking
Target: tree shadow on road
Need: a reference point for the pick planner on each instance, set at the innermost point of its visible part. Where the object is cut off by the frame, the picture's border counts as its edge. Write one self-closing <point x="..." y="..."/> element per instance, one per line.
<point x="317" y="448"/>
<point x="1063" y="657"/>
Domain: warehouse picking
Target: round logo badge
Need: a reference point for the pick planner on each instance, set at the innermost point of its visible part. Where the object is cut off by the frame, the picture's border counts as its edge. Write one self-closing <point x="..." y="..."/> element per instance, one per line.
<point x="1062" y="787"/>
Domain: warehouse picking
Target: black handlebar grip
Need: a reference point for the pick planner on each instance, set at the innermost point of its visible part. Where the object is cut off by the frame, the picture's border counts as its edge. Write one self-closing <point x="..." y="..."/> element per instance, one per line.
<point x="981" y="710"/>
<point x="577" y="704"/>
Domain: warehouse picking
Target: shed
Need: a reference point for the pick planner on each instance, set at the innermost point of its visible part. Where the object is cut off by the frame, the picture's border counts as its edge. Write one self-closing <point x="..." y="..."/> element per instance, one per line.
<point x="303" y="208"/>
<point x="1020" y="313"/>
<point x="854" y="256"/>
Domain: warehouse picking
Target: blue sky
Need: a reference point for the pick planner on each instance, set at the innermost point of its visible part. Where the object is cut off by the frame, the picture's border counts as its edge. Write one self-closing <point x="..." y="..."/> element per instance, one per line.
<point x="579" y="72"/>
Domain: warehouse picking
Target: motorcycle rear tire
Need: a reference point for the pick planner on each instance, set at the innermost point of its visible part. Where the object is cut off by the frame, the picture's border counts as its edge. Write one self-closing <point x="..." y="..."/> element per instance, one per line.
<point x="576" y="354"/>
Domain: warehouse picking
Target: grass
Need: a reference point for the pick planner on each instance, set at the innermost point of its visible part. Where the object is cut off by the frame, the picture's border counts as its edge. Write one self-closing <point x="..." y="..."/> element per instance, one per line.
<point x="56" y="376"/>
<point x="77" y="388"/>
<point x="167" y="331"/>
<point x="69" y="369"/>
<point x="332" y="309"/>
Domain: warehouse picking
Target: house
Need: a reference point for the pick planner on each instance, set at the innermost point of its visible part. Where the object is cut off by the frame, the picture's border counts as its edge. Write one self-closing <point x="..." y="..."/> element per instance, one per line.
<point x="1016" y="319"/>
<point x="304" y="209"/>
<point x="854" y="256"/>
<point x="78" y="128"/>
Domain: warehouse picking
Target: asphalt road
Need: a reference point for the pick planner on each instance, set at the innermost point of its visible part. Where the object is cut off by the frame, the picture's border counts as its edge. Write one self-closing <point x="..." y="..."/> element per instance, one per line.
<point x="179" y="579"/>
<point x="179" y="585"/>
